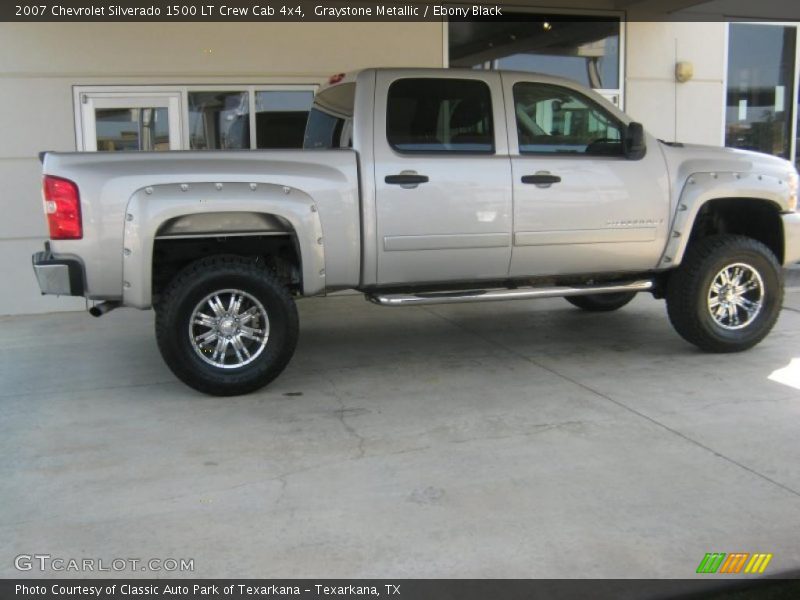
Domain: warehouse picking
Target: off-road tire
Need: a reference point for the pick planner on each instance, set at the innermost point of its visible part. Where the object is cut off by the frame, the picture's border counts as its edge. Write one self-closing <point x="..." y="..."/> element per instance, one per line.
<point x="601" y="302"/>
<point x="197" y="281"/>
<point x="689" y="285"/>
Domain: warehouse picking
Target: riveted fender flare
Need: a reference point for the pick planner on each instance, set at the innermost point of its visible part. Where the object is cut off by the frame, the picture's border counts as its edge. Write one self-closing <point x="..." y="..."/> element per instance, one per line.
<point x="701" y="188"/>
<point x="150" y="207"/>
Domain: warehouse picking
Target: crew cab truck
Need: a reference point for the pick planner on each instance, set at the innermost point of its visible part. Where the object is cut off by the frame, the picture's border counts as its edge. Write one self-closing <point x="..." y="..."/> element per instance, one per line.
<point x="420" y="186"/>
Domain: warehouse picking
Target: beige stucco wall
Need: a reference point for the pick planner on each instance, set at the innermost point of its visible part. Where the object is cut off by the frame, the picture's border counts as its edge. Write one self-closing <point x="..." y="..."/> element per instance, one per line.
<point x="688" y="112"/>
<point x="40" y="62"/>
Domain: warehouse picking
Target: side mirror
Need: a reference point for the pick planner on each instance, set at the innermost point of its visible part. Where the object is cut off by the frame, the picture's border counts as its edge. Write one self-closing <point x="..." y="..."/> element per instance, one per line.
<point x="634" y="145"/>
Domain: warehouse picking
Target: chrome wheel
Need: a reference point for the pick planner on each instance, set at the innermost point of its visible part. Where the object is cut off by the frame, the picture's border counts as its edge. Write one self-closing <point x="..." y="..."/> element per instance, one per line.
<point x="229" y="329"/>
<point x="736" y="296"/>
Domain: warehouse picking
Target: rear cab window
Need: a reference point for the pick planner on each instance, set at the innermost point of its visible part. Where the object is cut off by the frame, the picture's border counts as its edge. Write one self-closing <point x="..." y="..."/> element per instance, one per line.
<point x="440" y="115"/>
<point x="330" y="121"/>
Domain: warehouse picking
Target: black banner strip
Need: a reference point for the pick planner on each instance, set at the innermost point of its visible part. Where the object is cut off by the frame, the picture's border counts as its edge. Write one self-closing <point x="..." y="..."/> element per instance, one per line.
<point x="786" y="586"/>
<point x="358" y="10"/>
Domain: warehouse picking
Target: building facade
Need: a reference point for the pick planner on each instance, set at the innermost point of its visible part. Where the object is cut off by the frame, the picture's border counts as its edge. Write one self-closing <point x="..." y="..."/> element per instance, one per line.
<point x="163" y="86"/>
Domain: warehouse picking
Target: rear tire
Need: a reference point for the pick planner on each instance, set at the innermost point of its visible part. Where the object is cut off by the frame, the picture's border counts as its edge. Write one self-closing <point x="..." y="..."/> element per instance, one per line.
<point x="726" y="295"/>
<point x="601" y="302"/>
<point x="226" y="325"/>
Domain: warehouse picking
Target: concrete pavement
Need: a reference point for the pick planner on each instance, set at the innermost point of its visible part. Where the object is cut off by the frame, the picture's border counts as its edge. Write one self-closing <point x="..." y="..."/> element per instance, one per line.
<point x="519" y="439"/>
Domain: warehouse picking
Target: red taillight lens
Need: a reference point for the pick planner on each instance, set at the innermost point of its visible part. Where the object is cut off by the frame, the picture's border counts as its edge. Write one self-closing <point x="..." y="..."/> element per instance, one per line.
<point x="62" y="205"/>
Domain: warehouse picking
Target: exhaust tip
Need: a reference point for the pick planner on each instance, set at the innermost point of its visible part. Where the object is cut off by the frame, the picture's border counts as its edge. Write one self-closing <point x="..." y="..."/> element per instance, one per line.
<point x="98" y="310"/>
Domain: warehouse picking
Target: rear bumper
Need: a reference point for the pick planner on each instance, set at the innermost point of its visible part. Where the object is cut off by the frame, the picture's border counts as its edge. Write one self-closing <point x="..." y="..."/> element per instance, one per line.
<point x="58" y="276"/>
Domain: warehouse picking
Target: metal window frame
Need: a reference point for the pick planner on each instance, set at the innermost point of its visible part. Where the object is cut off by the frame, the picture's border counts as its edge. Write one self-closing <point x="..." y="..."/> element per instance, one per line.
<point x="138" y="90"/>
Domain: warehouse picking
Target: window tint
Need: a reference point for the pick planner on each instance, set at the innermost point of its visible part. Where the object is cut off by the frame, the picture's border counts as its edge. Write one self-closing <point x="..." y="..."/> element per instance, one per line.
<point x="439" y="115"/>
<point x="558" y="120"/>
<point x="330" y="122"/>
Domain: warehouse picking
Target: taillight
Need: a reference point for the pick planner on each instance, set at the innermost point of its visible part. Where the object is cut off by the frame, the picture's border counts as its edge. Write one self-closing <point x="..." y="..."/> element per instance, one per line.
<point x="62" y="205"/>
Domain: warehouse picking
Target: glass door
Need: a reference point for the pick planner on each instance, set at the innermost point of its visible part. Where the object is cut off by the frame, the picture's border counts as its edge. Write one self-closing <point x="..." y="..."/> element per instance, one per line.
<point x="584" y="48"/>
<point x="114" y="122"/>
<point x="761" y="84"/>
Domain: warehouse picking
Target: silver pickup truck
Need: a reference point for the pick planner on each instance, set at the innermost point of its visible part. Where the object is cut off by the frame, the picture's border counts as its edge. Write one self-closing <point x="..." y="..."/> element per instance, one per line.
<point x="421" y="186"/>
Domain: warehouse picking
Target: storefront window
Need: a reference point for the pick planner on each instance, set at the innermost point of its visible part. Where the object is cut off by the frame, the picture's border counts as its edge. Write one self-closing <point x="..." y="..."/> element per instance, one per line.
<point x="760" y="95"/>
<point x="218" y="120"/>
<point x="281" y="118"/>
<point x="132" y="129"/>
<point x="583" y="48"/>
<point x="192" y="117"/>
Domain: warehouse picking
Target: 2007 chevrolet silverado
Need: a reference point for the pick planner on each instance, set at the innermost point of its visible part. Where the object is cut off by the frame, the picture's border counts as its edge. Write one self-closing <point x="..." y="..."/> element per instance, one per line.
<point x="421" y="186"/>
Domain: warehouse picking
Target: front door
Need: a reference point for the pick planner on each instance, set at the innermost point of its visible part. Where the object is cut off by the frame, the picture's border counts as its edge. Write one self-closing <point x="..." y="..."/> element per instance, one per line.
<point x="580" y="206"/>
<point x="442" y="179"/>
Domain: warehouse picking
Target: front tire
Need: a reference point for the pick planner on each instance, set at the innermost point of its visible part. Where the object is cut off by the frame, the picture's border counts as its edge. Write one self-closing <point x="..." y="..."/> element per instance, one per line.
<point x="726" y="295"/>
<point x="601" y="302"/>
<point x="226" y="325"/>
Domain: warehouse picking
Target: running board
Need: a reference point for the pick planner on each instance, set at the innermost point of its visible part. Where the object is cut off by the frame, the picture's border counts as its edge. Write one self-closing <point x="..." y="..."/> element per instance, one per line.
<point x="450" y="297"/>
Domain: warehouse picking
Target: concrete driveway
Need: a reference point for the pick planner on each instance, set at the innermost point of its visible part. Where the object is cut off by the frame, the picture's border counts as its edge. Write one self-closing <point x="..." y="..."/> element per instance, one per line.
<point x="520" y="439"/>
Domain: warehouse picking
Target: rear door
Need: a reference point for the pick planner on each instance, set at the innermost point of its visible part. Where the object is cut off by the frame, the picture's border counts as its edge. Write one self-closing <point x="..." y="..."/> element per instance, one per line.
<point x="442" y="178"/>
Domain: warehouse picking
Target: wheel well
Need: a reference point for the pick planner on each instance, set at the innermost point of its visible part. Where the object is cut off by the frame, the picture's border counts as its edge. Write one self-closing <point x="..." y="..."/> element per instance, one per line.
<point x="757" y="219"/>
<point x="276" y="250"/>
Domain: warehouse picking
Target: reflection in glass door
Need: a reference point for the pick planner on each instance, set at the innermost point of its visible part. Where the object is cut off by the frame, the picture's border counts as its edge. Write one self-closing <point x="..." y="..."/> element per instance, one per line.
<point x="114" y="122"/>
<point x="584" y="48"/>
<point x="760" y="95"/>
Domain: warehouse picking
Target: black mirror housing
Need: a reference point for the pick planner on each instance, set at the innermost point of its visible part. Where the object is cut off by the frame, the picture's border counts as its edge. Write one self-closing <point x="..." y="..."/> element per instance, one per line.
<point x="634" y="144"/>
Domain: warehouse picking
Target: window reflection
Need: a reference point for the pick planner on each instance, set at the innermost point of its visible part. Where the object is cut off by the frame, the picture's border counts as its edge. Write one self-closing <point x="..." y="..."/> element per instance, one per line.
<point x="132" y="129"/>
<point x="330" y="122"/>
<point x="281" y="118"/>
<point x="760" y="88"/>
<point x="581" y="48"/>
<point x="555" y="119"/>
<point x="219" y="120"/>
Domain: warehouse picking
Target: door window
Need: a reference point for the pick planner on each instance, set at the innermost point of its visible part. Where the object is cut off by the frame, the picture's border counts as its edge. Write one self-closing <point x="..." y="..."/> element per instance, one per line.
<point x="112" y="122"/>
<point x="440" y="115"/>
<point x="132" y="128"/>
<point x="552" y="119"/>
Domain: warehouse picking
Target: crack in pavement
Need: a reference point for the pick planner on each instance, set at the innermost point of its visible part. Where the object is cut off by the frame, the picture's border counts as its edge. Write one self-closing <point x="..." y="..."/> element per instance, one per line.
<point x="341" y="415"/>
<point x="613" y="401"/>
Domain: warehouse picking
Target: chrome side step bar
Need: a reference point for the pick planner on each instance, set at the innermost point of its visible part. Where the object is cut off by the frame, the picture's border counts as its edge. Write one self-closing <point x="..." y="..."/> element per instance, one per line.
<point x="450" y="297"/>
